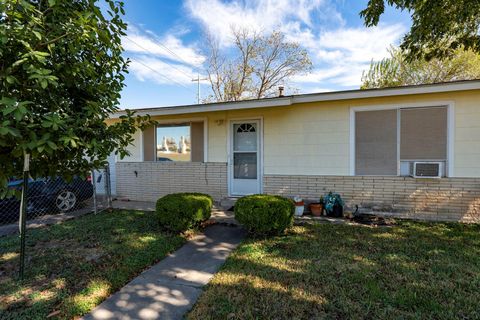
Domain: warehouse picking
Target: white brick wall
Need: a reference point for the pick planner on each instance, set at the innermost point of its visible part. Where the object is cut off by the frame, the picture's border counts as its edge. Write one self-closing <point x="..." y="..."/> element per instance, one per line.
<point x="448" y="199"/>
<point x="156" y="179"/>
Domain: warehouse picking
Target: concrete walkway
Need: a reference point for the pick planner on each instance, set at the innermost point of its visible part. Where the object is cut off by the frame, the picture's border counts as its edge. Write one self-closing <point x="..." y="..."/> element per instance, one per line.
<point x="169" y="289"/>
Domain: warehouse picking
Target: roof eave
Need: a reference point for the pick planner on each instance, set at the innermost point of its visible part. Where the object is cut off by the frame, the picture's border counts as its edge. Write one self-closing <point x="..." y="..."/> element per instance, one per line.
<point x="388" y="92"/>
<point x="307" y="98"/>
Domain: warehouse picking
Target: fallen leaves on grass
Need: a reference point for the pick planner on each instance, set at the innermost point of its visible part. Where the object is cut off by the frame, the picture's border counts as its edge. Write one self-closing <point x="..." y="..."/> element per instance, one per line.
<point x="411" y="270"/>
<point x="73" y="266"/>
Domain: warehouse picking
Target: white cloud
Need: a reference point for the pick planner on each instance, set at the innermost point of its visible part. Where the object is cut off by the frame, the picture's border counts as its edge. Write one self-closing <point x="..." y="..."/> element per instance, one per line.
<point x="217" y="16"/>
<point x="344" y="53"/>
<point x="360" y="44"/>
<point x="147" y="68"/>
<point x="316" y="90"/>
<point x="320" y="74"/>
<point x="161" y="59"/>
<point x="294" y="32"/>
<point x="147" y="42"/>
<point x="339" y="53"/>
<point x="350" y="78"/>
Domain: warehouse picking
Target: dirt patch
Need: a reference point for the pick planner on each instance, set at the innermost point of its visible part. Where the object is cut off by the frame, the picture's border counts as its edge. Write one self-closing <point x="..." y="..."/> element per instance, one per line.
<point x="373" y="220"/>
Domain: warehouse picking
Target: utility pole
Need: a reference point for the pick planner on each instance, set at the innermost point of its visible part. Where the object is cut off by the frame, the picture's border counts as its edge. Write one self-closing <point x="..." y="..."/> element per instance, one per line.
<point x="197" y="80"/>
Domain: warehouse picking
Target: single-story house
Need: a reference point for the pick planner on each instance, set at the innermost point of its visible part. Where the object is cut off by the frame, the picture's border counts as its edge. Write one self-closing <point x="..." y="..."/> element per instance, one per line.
<point x="410" y="151"/>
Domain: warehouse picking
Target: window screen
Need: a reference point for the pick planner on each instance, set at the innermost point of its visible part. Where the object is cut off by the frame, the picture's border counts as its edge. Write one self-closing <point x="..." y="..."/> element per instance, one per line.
<point x="423" y="133"/>
<point x="376" y="142"/>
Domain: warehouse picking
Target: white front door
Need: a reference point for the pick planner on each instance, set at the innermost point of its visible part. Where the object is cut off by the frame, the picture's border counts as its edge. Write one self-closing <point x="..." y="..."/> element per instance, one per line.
<point x="244" y="159"/>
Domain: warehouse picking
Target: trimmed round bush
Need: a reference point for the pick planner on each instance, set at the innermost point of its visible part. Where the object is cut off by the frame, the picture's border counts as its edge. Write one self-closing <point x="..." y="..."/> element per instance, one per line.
<point x="265" y="214"/>
<point x="181" y="211"/>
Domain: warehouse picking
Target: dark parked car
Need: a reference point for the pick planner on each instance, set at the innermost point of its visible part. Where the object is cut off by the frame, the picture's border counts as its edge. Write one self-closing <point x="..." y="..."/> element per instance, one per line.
<point x="46" y="195"/>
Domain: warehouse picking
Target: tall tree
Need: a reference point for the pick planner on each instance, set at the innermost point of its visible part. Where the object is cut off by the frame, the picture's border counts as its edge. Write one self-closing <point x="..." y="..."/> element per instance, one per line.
<point x="439" y="26"/>
<point x="256" y="66"/>
<point x="61" y="73"/>
<point x="398" y="70"/>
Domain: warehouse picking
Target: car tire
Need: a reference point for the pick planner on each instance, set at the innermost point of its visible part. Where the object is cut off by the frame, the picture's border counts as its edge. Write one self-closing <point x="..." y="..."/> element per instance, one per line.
<point x="65" y="200"/>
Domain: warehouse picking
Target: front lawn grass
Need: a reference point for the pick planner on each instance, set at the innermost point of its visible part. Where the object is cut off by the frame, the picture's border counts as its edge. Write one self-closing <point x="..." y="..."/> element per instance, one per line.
<point x="410" y="271"/>
<point x="73" y="266"/>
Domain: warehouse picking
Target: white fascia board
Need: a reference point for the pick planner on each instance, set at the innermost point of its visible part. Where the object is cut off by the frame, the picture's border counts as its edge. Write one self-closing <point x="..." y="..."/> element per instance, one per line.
<point x="376" y="93"/>
<point x="286" y="101"/>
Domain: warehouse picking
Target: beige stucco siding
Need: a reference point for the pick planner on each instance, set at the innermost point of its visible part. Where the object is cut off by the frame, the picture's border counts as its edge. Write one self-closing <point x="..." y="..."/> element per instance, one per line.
<point x="306" y="138"/>
<point x="217" y="137"/>
<point x="314" y="138"/>
<point x="467" y="135"/>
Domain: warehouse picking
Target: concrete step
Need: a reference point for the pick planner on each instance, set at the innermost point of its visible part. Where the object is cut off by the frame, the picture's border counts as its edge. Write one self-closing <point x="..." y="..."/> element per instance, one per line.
<point x="227" y="204"/>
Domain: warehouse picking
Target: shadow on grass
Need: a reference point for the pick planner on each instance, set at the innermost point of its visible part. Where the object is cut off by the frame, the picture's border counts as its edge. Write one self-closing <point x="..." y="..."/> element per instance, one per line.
<point x="414" y="270"/>
<point x="73" y="266"/>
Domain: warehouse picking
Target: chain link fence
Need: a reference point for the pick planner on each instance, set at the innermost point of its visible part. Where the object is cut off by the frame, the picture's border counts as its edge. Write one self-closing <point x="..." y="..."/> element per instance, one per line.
<point x="54" y="199"/>
<point x="102" y="187"/>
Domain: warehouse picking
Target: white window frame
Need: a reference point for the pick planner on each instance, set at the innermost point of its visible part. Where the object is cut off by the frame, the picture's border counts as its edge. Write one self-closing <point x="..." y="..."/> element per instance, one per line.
<point x="399" y="106"/>
<point x="182" y="121"/>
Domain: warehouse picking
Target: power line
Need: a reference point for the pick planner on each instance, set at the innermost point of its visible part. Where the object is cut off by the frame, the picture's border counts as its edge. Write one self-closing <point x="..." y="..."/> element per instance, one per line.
<point x="171" y="65"/>
<point x="159" y="44"/>
<point x="198" y="79"/>
<point x="164" y="76"/>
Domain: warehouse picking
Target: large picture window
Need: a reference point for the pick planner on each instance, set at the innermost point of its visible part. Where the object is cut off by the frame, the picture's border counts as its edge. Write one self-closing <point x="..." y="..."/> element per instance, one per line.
<point x="174" y="142"/>
<point x="389" y="142"/>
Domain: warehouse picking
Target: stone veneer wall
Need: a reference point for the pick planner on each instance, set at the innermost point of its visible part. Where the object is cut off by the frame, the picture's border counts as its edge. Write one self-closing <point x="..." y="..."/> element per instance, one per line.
<point x="447" y="199"/>
<point x="156" y="179"/>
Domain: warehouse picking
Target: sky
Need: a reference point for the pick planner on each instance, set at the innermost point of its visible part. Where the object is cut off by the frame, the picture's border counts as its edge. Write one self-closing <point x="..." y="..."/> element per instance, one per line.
<point x="166" y="43"/>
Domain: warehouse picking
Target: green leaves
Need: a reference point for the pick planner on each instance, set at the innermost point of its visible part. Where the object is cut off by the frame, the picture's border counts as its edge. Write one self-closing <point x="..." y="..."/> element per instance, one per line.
<point x="7" y="129"/>
<point x="8" y="101"/>
<point x="10" y="79"/>
<point x="18" y="109"/>
<point x="52" y="121"/>
<point x="52" y="145"/>
<point x="61" y="74"/>
<point x="438" y="27"/>
<point x="37" y="34"/>
<point x="398" y="70"/>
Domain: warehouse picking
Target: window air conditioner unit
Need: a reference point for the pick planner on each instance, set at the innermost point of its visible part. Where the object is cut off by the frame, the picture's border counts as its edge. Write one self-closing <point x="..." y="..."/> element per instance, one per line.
<point x="427" y="169"/>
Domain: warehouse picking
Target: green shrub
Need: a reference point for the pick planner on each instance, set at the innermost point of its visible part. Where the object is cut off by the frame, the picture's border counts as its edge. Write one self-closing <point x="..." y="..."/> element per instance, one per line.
<point x="265" y="214"/>
<point x="181" y="211"/>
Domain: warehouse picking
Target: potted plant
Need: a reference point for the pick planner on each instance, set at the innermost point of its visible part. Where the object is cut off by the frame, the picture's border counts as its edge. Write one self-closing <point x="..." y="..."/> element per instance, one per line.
<point x="299" y="206"/>
<point x="316" y="208"/>
<point x="334" y="204"/>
